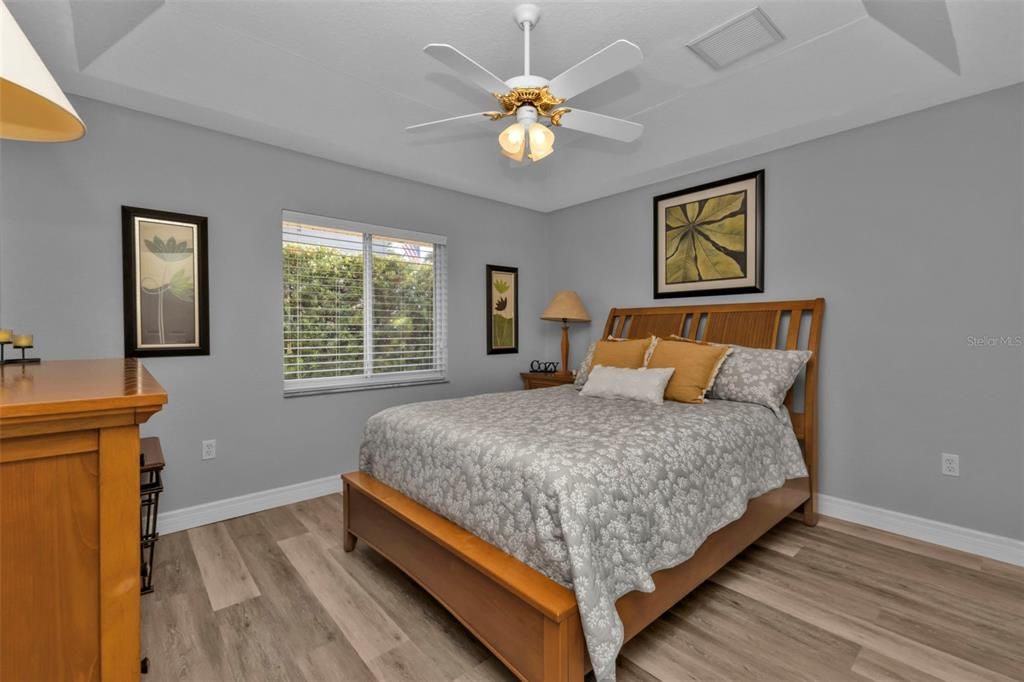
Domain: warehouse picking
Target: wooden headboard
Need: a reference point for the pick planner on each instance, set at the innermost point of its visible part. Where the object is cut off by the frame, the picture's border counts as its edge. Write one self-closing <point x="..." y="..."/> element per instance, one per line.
<point x="787" y="325"/>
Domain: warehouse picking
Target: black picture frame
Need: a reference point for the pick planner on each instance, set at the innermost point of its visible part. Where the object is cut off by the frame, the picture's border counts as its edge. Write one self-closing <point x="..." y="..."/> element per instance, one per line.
<point x="495" y="345"/>
<point x="131" y="257"/>
<point x="753" y="284"/>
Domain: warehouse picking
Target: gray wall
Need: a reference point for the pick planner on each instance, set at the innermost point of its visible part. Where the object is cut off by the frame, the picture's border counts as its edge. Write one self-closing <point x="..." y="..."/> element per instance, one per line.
<point x="60" y="277"/>
<point x="910" y="228"/>
<point x="912" y="231"/>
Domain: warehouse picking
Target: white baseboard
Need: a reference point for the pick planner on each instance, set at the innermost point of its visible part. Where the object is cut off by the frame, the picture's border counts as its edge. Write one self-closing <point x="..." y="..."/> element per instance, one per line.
<point x="957" y="537"/>
<point x="936" y="532"/>
<point x="221" y="510"/>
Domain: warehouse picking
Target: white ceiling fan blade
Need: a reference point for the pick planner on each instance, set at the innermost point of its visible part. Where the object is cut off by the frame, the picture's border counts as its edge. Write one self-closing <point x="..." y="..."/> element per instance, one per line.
<point x="619" y="57"/>
<point x="465" y="67"/>
<point x="420" y="126"/>
<point x="604" y="126"/>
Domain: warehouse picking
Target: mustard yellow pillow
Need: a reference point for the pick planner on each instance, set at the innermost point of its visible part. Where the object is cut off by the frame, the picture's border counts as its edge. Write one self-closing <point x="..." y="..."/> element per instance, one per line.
<point x="676" y="337"/>
<point x="628" y="354"/>
<point x="696" y="366"/>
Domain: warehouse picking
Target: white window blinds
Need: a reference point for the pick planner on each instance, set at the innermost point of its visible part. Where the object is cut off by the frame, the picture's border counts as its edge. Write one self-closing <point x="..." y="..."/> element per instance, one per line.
<point x="364" y="306"/>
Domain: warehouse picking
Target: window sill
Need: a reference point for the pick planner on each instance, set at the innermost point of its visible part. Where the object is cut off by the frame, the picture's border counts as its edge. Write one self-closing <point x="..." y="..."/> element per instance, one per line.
<point x="296" y="392"/>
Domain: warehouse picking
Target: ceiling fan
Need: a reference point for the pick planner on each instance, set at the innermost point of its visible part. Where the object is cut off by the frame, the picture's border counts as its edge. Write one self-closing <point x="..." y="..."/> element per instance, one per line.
<point x="530" y="98"/>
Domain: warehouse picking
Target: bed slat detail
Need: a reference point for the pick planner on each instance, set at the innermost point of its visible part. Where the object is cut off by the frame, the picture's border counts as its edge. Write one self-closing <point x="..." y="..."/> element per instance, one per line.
<point x="792" y="339"/>
<point x="694" y="326"/>
<point x="793" y="332"/>
<point x="657" y="325"/>
<point x="757" y="329"/>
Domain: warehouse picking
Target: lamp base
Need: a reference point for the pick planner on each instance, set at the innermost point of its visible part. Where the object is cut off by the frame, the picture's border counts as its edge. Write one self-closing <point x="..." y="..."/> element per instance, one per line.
<point x="565" y="347"/>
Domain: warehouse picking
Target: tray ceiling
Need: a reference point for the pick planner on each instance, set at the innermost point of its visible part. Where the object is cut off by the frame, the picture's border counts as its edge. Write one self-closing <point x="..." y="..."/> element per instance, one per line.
<point x="341" y="80"/>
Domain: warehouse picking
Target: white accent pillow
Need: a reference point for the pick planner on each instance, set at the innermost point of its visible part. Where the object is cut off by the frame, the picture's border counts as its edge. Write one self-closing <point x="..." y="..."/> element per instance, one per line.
<point x="636" y="384"/>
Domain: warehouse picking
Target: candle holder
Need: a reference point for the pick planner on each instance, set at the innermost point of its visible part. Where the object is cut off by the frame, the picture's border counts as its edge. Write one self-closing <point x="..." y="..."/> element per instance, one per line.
<point x="24" y="342"/>
<point x="23" y="360"/>
<point x="6" y="337"/>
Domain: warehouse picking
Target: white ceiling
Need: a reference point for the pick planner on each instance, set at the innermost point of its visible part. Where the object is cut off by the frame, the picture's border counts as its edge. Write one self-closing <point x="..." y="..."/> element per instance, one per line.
<point x="341" y="80"/>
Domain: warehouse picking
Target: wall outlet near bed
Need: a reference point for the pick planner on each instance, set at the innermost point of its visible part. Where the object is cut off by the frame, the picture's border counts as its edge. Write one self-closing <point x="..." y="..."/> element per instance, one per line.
<point x="210" y="449"/>
<point x="950" y="464"/>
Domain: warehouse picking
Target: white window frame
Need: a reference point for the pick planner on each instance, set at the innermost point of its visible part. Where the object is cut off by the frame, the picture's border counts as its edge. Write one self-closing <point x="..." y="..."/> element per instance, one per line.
<point x="368" y="380"/>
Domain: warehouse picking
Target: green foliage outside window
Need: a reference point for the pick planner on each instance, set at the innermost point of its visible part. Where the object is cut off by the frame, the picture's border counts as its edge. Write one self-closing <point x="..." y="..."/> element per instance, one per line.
<point x="323" y="313"/>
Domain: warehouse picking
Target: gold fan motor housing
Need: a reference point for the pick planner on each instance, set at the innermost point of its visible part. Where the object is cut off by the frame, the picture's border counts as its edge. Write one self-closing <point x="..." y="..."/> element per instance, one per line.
<point x="540" y="99"/>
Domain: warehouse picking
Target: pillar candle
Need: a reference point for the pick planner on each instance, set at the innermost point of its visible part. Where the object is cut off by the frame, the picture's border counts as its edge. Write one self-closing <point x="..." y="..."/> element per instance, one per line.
<point x="6" y="335"/>
<point x="23" y="340"/>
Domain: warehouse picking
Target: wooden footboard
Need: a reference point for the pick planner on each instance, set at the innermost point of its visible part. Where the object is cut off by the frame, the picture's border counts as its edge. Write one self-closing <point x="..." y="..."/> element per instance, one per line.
<point x="529" y="621"/>
<point x="640" y="609"/>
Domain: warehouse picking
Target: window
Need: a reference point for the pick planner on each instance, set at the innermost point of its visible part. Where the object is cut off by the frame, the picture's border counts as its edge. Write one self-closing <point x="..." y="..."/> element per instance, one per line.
<point x="364" y="306"/>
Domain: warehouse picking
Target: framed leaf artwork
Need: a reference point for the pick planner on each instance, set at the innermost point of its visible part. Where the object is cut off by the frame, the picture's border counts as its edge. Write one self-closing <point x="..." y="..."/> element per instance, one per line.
<point x="502" y="309"/>
<point x="710" y="239"/>
<point x="166" y="287"/>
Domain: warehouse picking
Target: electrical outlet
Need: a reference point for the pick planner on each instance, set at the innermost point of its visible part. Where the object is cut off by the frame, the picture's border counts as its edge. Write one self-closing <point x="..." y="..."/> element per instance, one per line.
<point x="209" y="449"/>
<point x="950" y="464"/>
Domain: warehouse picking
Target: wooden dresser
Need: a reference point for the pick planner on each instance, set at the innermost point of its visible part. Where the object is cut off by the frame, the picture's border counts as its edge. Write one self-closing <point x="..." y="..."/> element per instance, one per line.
<point x="69" y="518"/>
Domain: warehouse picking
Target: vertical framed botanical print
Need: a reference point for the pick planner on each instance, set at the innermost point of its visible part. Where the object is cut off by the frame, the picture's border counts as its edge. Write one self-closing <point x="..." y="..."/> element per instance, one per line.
<point x="166" y="289"/>
<point x="710" y="239"/>
<point x="502" y="309"/>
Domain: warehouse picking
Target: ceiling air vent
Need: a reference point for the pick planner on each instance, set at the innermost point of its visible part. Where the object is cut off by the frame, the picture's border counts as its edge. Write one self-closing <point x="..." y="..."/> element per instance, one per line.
<point x="737" y="38"/>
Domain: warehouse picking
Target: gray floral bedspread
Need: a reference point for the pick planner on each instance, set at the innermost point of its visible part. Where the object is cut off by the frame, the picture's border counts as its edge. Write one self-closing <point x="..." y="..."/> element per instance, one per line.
<point x="597" y="494"/>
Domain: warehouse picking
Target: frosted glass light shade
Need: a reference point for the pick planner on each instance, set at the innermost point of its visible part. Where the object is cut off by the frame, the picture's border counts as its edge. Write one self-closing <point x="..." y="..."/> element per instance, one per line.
<point x="542" y="141"/>
<point x="32" y="106"/>
<point x="513" y="141"/>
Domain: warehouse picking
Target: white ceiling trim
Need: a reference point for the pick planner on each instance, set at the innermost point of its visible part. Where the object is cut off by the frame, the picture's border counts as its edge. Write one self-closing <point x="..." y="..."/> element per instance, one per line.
<point x="340" y="80"/>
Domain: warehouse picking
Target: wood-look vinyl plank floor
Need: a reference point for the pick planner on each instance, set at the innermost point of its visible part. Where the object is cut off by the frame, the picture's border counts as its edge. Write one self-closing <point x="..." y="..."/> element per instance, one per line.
<point x="357" y="614"/>
<point x="272" y="596"/>
<point x="225" y="575"/>
<point x="305" y="623"/>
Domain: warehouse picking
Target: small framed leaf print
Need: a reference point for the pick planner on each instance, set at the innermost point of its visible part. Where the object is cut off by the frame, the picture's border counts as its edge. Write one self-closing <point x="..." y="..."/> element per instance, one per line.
<point x="166" y="289"/>
<point x="710" y="239"/>
<point x="502" y="309"/>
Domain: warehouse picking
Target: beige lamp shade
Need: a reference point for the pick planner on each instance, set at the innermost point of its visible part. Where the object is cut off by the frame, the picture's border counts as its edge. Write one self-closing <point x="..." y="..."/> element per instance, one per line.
<point x="566" y="305"/>
<point x="32" y="106"/>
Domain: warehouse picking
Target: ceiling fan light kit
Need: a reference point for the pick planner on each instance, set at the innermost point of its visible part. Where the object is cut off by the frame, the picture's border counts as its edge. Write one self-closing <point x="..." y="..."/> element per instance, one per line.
<point x="513" y="139"/>
<point x="531" y="99"/>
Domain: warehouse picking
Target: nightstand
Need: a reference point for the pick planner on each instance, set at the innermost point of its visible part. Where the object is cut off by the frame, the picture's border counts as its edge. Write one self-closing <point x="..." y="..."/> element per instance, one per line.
<point x="544" y="379"/>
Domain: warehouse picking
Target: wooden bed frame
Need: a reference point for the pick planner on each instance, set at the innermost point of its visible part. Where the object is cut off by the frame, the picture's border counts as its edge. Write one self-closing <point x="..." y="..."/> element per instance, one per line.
<point x="531" y="622"/>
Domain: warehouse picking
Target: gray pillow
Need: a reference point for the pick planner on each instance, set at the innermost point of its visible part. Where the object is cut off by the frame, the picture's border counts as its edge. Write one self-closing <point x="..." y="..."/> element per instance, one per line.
<point x="584" y="371"/>
<point x="758" y="375"/>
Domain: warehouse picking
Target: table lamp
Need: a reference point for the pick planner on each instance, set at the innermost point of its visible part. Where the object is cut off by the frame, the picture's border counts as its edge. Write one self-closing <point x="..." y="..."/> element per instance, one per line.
<point x="567" y="307"/>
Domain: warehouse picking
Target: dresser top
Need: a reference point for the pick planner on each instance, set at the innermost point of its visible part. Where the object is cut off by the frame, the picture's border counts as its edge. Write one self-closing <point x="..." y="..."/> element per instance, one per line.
<point x="55" y="387"/>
